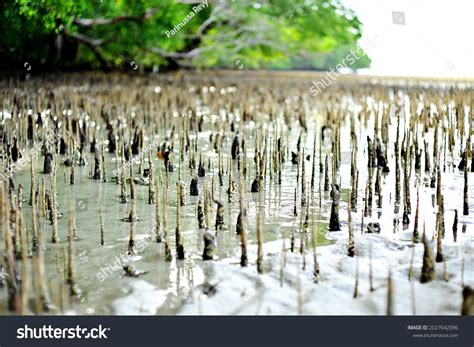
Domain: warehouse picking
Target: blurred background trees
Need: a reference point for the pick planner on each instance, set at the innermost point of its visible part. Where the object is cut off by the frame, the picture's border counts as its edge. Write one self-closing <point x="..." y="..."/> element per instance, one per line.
<point x="271" y="34"/>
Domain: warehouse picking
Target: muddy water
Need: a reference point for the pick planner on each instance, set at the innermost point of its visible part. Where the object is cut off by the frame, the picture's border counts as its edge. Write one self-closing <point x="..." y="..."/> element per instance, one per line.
<point x="99" y="268"/>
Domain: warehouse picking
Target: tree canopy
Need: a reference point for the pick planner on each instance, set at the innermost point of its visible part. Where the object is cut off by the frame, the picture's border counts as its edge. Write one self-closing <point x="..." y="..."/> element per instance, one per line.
<point x="277" y="34"/>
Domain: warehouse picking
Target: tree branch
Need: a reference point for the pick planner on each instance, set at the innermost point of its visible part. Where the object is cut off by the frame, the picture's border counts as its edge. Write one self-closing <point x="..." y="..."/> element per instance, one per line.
<point x="180" y="55"/>
<point x="216" y="11"/>
<point x="92" y="43"/>
<point x="90" y="22"/>
<point x="87" y="40"/>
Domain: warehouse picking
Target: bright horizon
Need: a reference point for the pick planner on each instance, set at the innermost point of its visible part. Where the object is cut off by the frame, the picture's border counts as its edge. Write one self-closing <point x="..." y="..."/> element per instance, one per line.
<point x="434" y="42"/>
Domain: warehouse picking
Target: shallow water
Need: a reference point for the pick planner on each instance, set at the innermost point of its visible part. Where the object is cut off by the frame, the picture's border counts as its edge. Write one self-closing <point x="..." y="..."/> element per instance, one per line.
<point x="89" y="195"/>
<point x="174" y="283"/>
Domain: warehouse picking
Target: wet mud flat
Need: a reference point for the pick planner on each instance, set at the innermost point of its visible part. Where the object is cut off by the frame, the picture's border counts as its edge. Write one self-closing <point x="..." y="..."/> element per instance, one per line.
<point x="223" y="193"/>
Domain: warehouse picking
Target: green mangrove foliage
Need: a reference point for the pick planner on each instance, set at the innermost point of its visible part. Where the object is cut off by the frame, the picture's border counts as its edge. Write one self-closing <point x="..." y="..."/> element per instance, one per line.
<point x="277" y="34"/>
